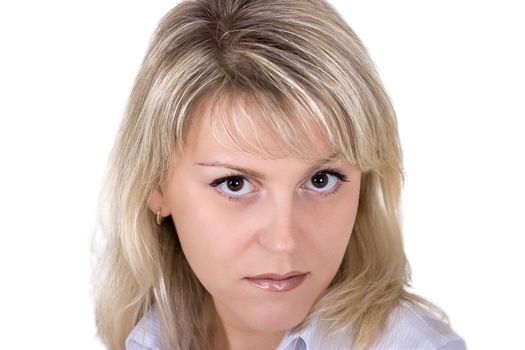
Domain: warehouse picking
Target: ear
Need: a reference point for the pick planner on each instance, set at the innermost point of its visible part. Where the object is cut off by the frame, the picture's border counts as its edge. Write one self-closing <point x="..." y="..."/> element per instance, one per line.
<point x="156" y="201"/>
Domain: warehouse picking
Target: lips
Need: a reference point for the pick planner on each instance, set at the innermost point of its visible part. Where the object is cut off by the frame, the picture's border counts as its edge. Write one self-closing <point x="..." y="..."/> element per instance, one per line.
<point x="278" y="283"/>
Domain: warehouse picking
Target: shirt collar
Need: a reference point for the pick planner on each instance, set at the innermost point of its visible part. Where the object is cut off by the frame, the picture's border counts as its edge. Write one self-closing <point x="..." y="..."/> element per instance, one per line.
<point x="147" y="332"/>
<point x="314" y="336"/>
<point x="300" y="339"/>
<point x="292" y="341"/>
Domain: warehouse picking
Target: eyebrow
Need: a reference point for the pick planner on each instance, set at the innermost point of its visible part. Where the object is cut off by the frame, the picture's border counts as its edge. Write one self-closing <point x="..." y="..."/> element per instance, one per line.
<point x="257" y="175"/>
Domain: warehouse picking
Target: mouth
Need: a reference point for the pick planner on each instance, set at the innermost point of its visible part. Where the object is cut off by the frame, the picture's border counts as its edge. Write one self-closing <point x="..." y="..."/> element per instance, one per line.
<point x="278" y="283"/>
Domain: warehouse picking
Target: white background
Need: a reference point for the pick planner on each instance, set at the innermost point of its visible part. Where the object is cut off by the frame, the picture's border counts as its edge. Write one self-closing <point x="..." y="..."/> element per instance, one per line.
<point x="454" y="70"/>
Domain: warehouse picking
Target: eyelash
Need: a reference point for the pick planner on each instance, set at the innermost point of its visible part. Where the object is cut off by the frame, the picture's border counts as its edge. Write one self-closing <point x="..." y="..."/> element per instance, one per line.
<point x="330" y="171"/>
<point x="339" y="175"/>
<point x="219" y="181"/>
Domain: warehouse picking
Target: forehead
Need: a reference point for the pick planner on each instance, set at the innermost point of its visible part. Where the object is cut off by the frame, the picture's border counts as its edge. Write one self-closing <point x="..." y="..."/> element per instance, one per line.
<point x="237" y="124"/>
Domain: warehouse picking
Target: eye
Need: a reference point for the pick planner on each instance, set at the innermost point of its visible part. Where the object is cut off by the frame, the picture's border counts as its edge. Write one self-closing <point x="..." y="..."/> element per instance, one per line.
<point x="326" y="182"/>
<point x="233" y="186"/>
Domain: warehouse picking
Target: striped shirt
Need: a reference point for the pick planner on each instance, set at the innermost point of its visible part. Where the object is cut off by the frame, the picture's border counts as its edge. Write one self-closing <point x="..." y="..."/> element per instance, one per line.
<point x="408" y="328"/>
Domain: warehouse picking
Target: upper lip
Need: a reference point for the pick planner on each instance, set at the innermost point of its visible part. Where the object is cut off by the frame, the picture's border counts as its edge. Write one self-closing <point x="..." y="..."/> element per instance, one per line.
<point x="276" y="276"/>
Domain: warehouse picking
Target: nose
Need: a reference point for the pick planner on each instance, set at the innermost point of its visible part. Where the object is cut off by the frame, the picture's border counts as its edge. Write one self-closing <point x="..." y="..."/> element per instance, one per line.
<point x="280" y="234"/>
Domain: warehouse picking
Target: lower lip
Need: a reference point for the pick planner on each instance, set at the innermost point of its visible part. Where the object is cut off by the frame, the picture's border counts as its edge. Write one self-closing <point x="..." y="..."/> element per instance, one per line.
<point x="277" y="285"/>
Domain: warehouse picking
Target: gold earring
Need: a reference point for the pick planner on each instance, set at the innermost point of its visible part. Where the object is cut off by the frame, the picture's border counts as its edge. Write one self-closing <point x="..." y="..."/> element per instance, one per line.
<point x="159" y="218"/>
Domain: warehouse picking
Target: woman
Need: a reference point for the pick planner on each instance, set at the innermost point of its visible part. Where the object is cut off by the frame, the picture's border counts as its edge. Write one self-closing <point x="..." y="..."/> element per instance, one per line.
<point x="252" y="197"/>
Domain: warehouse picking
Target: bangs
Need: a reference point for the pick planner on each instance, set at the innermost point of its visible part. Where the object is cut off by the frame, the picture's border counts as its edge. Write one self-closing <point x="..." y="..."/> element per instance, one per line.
<point x="301" y="126"/>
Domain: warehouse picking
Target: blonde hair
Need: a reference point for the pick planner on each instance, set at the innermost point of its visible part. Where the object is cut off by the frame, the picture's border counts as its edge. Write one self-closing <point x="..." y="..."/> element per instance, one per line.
<point x="298" y="62"/>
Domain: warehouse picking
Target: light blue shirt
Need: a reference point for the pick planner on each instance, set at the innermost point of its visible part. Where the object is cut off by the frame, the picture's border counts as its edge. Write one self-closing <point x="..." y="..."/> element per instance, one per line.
<point x="408" y="328"/>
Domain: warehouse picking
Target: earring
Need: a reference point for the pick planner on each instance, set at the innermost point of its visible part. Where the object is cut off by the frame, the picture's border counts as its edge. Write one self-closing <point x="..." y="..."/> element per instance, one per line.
<point x="159" y="218"/>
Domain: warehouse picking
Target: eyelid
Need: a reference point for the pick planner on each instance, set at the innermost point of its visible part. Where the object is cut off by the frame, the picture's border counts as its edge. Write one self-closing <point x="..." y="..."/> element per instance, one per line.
<point x="339" y="174"/>
<point x="217" y="182"/>
<point x="341" y="177"/>
<point x="220" y="180"/>
<point x="335" y="172"/>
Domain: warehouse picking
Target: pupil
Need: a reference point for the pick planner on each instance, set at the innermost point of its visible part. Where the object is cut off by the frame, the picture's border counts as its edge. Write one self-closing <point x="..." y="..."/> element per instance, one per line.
<point x="235" y="184"/>
<point x="320" y="180"/>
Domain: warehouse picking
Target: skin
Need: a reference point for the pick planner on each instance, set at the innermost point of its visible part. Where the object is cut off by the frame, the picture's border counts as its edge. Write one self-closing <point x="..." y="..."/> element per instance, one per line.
<point x="278" y="224"/>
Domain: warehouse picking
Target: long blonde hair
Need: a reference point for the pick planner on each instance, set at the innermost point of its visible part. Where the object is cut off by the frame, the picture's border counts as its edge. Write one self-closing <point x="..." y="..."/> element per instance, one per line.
<point x="299" y="62"/>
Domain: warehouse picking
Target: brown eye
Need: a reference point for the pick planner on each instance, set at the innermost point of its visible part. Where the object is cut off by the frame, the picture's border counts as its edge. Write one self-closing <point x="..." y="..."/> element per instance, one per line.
<point x="233" y="186"/>
<point x="326" y="182"/>
<point x="320" y="180"/>
<point x="235" y="183"/>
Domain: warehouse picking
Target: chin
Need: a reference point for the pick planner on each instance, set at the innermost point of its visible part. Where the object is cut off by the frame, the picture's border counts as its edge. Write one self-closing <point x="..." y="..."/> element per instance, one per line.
<point x="274" y="319"/>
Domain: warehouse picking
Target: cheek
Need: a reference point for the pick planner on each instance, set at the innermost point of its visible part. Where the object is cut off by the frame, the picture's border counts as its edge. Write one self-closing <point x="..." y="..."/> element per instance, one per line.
<point x="332" y="220"/>
<point x="329" y="228"/>
<point x="205" y="233"/>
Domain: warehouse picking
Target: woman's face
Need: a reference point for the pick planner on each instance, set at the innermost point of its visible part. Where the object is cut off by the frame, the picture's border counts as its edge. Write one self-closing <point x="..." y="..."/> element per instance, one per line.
<point x="290" y="218"/>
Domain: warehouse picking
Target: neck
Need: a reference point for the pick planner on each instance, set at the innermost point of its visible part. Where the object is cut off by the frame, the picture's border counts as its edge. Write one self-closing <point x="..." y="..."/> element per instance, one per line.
<point x="225" y="336"/>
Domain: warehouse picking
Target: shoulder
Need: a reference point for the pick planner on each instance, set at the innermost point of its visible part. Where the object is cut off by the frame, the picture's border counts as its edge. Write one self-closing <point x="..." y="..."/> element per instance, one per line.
<point x="146" y="333"/>
<point x="408" y="327"/>
<point x="412" y="327"/>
